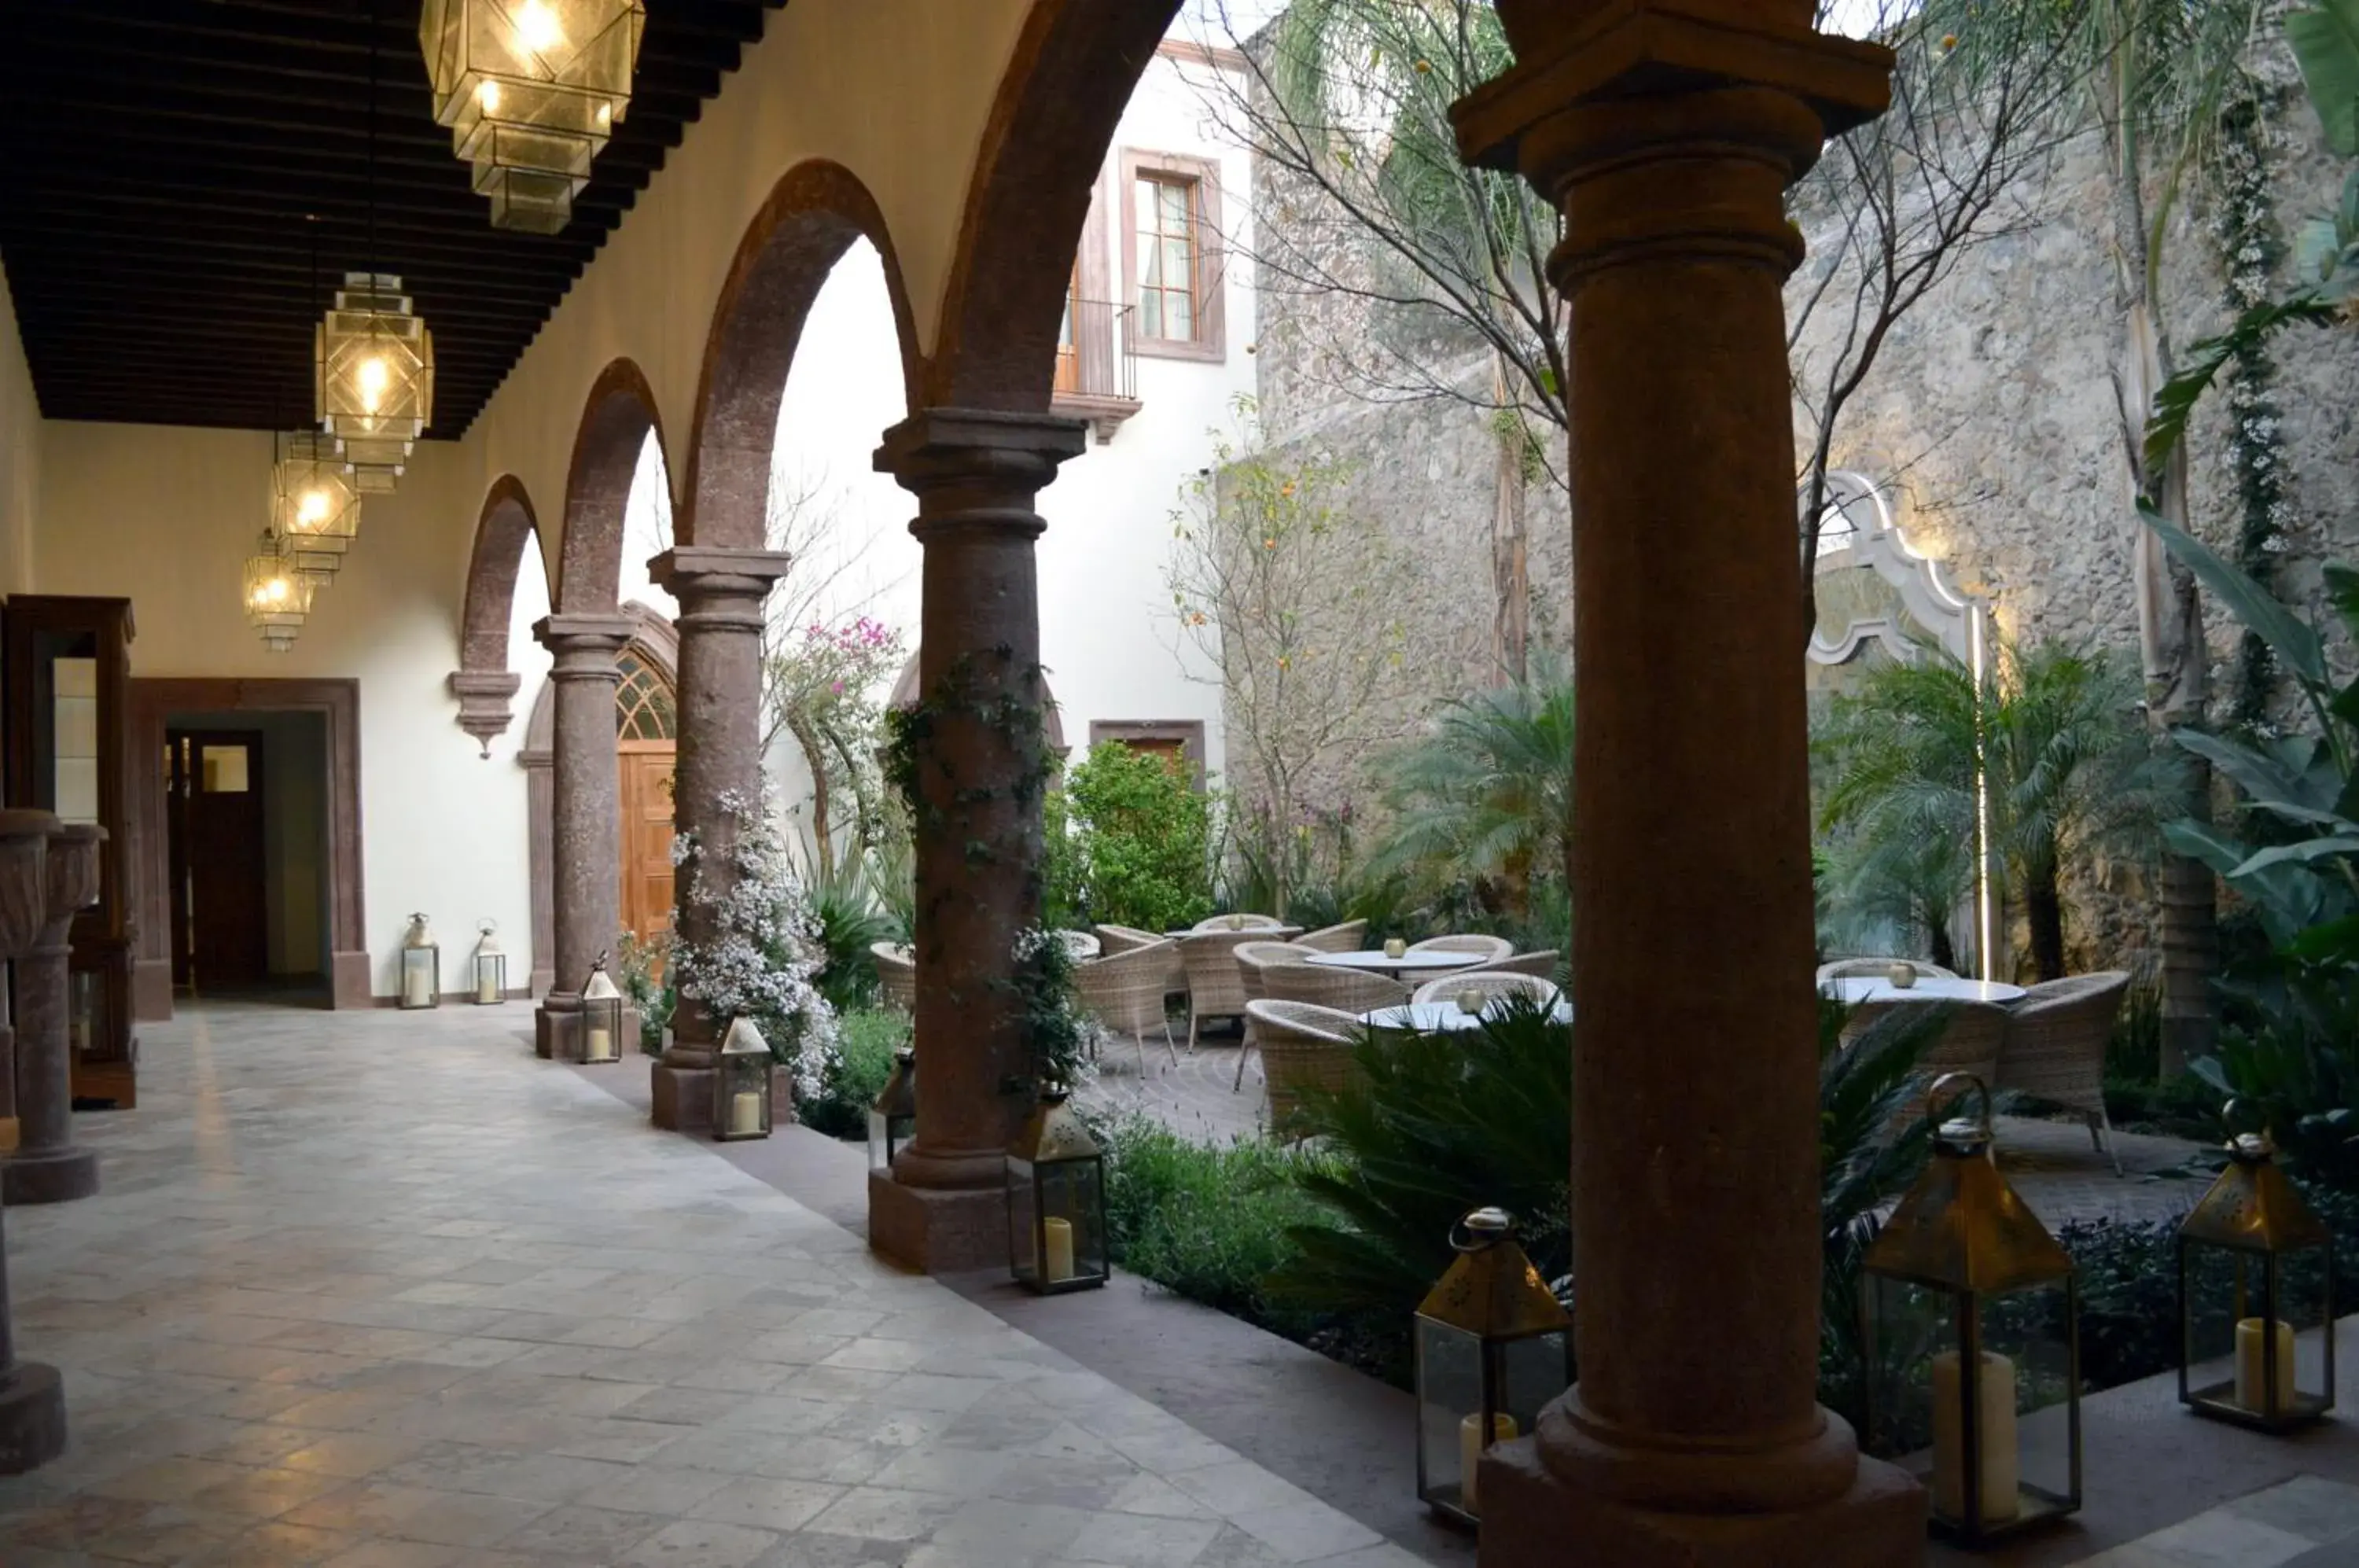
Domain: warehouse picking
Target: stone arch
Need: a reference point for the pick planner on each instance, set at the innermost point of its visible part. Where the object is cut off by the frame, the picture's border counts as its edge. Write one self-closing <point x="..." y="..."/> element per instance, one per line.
<point x="483" y="683"/>
<point x="1075" y="66"/>
<point x="655" y="640"/>
<point x="616" y="420"/>
<point x="812" y="215"/>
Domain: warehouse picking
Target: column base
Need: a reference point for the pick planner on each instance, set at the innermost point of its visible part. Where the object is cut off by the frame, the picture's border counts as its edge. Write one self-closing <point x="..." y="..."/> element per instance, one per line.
<point x="552" y="1031"/>
<point x="1533" y="1518"/>
<point x="681" y="1091"/>
<point x="941" y="1230"/>
<point x="32" y="1417"/>
<point x="52" y="1176"/>
<point x="349" y="983"/>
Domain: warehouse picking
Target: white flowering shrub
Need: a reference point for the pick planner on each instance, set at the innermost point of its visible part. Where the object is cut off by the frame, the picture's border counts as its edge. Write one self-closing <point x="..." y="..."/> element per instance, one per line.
<point x="763" y="952"/>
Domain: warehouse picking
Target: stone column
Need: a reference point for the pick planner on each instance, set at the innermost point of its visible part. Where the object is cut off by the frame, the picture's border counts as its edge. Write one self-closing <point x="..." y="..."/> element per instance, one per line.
<point x="32" y="1399"/>
<point x="943" y="1206"/>
<point x="45" y="1167"/>
<point x="721" y="593"/>
<point x="1667" y="132"/>
<point x="586" y="823"/>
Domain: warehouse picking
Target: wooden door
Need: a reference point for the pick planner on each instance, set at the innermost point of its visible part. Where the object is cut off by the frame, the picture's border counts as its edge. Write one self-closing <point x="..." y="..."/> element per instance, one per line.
<point x="647" y="766"/>
<point x="221" y="913"/>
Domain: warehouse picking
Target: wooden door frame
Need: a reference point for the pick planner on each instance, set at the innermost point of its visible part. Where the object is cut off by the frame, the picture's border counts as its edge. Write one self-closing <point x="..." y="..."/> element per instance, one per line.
<point x="338" y="703"/>
<point x="653" y="638"/>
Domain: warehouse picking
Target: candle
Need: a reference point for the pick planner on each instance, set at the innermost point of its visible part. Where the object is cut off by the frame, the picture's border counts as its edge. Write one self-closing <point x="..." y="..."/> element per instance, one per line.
<point x="1060" y="1248"/>
<point x="1994" y="1438"/>
<point x="416" y="983"/>
<point x="2253" y="1380"/>
<point x="1395" y="947"/>
<point x="745" y="1112"/>
<point x="1470" y="1450"/>
<point x="602" y="1043"/>
<point x="1902" y="976"/>
<point x="1469" y="1001"/>
<point x="487" y="985"/>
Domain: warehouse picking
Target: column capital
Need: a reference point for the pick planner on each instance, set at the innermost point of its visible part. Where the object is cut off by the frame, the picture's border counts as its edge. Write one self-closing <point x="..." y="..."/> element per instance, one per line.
<point x="484" y="698"/>
<point x="691" y="571"/>
<point x="1569" y="54"/>
<point x="936" y="449"/>
<point x="586" y="645"/>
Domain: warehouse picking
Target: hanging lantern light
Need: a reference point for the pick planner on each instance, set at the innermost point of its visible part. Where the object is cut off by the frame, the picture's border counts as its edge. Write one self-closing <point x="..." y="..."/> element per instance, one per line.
<point x="893" y="1120"/>
<point x="491" y="965"/>
<point x="1493" y="1346"/>
<point x="530" y="91"/>
<point x="315" y="507"/>
<point x="1972" y="1341"/>
<point x="2256" y="1298"/>
<point x="278" y="597"/>
<point x="373" y="384"/>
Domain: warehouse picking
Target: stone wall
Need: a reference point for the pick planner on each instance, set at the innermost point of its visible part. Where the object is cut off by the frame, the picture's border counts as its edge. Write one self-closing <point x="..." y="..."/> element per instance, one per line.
<point x="1990" y="418"/>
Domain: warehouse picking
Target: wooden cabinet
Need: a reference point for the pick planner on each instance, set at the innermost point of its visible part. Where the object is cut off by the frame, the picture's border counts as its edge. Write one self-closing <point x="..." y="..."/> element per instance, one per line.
<point x="66" y="664"/>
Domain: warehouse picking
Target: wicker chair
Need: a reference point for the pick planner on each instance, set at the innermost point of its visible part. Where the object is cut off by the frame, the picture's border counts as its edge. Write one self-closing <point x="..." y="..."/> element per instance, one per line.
<point x="1237" y="923"/>
<point x="1126" y="992"/>
<point x="1349" y="991"/>
<point x="1214" y="989"/>
<point x="1972" y="1043"/>
<point x="1482" y="951"/>
<point x="1544" y="964"/>
<point x="1491" y="982"/>
<point x="1122" y="939"/>
<point x="1345" y="938"/>
<point x="1303" y="1045"/>
<point x="1251" y="956"/>
<point x="1083" y="945"/>
<point x="897" y="974"/>
<point x="1877" y="968"/>
<point x="2056" y="1047"/>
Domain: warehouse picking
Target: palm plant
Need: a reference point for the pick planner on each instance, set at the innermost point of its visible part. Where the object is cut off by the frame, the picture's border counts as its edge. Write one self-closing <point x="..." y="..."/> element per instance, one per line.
<point x="2044" y="753"/>
<point x="1488" y="794"/>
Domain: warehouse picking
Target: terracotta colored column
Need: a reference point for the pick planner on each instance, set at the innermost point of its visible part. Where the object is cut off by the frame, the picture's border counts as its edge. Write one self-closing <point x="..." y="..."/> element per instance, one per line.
<point x="586" y="821"/>
<point x="943" y="1206"/>
<point x="45" y="1167"/>
<point x="1667" y="136"/>
<point x="32" y="1399"/>
<point x="721" y="593"/>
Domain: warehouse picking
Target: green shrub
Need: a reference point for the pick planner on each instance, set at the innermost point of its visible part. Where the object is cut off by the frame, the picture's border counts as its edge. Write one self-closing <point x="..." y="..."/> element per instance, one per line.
<point x="643" y="977"/>
<point x="864" y="1061"/>
<point x="1143" y="834"/>
<point x="850" y="919"/>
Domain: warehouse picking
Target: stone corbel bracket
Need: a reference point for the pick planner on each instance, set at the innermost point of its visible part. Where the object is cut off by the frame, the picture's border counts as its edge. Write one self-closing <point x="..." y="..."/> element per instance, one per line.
<point x="485" y="698"/>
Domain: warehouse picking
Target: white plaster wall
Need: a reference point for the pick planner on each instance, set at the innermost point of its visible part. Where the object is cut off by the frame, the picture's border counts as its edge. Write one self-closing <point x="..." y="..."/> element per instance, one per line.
<point x="20" y="453"/>
<point x="166" y="516"/>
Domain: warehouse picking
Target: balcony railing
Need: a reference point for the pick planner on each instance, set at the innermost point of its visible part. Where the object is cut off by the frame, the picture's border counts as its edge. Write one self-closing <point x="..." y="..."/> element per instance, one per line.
<point x="1097" y="376"/>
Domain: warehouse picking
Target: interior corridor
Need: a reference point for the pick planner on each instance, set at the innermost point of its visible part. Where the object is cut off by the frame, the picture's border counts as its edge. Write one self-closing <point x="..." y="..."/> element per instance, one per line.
<point x="378" y="1289"/>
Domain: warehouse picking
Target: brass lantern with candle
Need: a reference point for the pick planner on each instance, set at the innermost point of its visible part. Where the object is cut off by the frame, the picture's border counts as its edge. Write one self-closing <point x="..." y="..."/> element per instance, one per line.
<point x="1972" y="1338"/>
<point x="2255" y="1297"/>
<point x="601" y="1035"/>
<point x="741" y="1084"/>
<point x="421" y="966"/>
<point x="315" y="506"/>
<point x="1056" y="1202"/>
<point x="491" y="965"/>
<point x="893" y="1120"/>
<point x="1493" y="1346"/>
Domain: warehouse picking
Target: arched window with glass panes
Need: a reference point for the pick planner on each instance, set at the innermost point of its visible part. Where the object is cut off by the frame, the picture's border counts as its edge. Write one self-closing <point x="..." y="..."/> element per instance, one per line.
<point x="644" y="709"/>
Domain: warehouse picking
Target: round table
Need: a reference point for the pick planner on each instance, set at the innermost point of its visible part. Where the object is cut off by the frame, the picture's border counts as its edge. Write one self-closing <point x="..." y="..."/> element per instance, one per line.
<point x="1409" y="966"/>
<point x="1854" y="989"/>
<point x="1430" y="1018"/>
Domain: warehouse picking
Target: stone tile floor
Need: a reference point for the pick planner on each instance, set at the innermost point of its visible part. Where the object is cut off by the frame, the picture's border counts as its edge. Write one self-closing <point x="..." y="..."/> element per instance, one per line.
<point x="380" y="1290"/>
<point x="2306" y="1522"/>
<point x="2052" y="1164"/>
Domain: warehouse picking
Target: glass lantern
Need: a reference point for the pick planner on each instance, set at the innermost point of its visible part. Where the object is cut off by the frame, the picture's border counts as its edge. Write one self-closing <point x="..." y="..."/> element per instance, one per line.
<point x="601" y="1035"/>
<point x="2256" y="1298"/>
<point x="490" y="966"/>
<point x="1056" y="1202"/>
<point x="1493" y="1346"/>
<point x="530" y="90"/>
<point x="1972" y="1343"/>
<point x="374" y="377"/>
<point x="278" y="597"/>
<point x="315" y="508"/>
<point x="741" y="1084"/>
<point x="421" y="966"/>
<point x="893" y="1120"/>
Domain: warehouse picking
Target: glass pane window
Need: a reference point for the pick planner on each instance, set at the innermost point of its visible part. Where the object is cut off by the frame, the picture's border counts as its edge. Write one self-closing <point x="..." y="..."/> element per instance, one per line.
<point x="1166" y="206"/>
<point x="643" y="708"/>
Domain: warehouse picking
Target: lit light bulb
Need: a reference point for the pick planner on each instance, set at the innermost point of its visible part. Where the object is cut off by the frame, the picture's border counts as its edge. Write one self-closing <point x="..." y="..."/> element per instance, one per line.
<point x="313" y="508"/>
<point x="606" y="114"/>
<point x="277" y="589"/>
<point x="537" y="27"/>
<point x="488" y="95"/>
<point x="371" y="379"/>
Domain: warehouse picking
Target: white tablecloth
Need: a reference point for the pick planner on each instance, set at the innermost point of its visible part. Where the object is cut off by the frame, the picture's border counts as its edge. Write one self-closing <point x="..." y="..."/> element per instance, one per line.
<point x="1407" y="966"/>
<point x="1858" y="988"/>
<point x="1429" y="1018"/>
